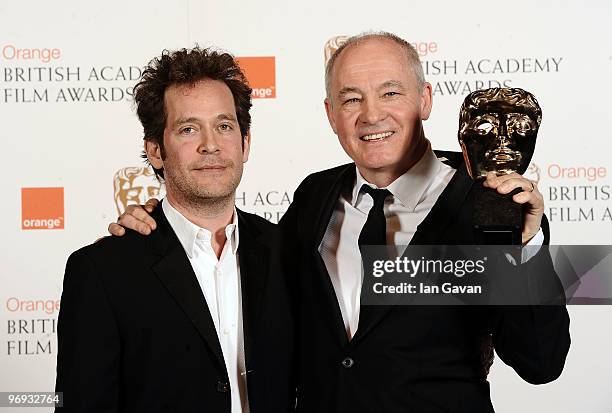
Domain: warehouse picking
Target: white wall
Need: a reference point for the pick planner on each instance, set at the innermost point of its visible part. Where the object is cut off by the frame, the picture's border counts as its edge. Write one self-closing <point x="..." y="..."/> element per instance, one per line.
<point x="79" y="146"/>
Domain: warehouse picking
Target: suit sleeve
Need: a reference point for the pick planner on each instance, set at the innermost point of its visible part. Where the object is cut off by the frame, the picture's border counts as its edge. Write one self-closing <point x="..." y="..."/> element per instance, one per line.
<point x="88" y="341"/>
<point x="289" y="225"/>
<point x="292" y="260"/>
<point x="534" y="339"/>
<point x="289" y="219"/>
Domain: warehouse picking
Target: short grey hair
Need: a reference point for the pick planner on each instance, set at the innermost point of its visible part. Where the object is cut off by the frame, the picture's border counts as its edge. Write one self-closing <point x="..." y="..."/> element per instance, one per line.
<point x="413" y="56"/>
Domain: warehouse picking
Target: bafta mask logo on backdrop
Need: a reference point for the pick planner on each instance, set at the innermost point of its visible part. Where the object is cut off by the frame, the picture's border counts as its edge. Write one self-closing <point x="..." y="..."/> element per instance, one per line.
<point x="260" y="72"/>
<point x="135" y="185"/>
<point x="533" y="173"/>
<point x="332" y="45"/>
<point x="42" y="208"/>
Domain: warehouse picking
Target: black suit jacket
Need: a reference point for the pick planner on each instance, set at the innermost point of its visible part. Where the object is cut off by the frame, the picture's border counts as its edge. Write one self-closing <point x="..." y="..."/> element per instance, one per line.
<point x="135" y="333"/>
<point x="409" y="358"/>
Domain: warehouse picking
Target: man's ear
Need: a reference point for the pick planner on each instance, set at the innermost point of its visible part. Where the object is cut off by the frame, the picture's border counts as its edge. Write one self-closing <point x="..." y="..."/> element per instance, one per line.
<point x="426" y="101"/>
<point x="246" y="146"/>
<point x="330" y="114"/>
<point x="153" y="151"/>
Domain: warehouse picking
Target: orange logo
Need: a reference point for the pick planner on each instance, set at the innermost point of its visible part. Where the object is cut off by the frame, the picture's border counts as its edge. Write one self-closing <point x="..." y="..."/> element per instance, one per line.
<point x="42" y="208"/>
<point x="261" y="74"/>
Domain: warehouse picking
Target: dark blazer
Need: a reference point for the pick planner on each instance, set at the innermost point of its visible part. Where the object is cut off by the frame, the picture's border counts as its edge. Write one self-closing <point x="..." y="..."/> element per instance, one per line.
<point x="135" y="333"/>
<point x="409" y="358"/>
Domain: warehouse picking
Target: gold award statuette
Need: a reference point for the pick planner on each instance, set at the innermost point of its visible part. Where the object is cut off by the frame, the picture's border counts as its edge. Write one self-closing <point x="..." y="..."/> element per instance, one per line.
<point x="498" y="128"/>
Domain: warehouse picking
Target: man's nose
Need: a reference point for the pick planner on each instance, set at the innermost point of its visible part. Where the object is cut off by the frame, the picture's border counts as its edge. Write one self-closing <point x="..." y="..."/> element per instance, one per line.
<point x="372" y="112"/>
<point x="208" y="143"/>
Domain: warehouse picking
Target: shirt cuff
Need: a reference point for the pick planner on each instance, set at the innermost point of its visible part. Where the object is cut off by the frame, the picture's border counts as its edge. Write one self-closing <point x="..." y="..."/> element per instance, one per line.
<point x="533" y="245"/>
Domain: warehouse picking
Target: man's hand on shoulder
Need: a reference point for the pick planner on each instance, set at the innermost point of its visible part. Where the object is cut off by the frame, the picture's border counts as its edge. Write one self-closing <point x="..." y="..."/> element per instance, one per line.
<point x="137" y="218"/>
<point x="530" y="196"/>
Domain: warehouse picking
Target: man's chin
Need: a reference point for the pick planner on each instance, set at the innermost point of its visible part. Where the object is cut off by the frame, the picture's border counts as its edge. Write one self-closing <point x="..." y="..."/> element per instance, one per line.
<point x="377" y="164"/>
<point x="205" y="194"/>
<point x="216" y="191"/>
<point x="209" y="196"/>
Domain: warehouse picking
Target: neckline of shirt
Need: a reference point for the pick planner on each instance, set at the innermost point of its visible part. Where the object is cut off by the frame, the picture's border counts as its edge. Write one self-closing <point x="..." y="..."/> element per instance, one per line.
<point x="408" y="188"/>
<point x="189" y="233"/>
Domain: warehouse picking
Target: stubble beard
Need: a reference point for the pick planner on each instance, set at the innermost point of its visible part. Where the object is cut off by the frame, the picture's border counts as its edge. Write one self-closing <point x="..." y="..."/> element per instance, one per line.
<point x="198" y="198"/>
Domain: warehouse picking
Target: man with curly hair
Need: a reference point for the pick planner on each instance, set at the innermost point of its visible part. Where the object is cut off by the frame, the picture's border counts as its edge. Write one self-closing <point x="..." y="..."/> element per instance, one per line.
<point x="196" y="316"/>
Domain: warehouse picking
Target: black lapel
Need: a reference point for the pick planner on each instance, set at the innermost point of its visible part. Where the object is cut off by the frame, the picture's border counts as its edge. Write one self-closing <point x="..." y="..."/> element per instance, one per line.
<point x="428" y="232"/>
<point x="330" y="193"/>
<point x="445" y="209"/>
<point x="254" y="258"/>
<point x="174" y="271"/>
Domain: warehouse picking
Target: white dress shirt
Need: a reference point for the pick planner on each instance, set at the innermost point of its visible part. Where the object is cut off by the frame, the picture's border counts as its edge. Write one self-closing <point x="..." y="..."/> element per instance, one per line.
<point x="219" y="280"/>
<point x="413" y="195"/>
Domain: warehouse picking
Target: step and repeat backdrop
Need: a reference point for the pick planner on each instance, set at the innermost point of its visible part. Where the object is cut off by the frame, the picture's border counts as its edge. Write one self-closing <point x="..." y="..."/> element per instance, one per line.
<point x="72" y="140"/>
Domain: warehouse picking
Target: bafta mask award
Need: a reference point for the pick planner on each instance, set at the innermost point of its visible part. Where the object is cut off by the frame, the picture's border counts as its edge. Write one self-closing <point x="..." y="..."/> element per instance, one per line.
<point x="497" y="133"/>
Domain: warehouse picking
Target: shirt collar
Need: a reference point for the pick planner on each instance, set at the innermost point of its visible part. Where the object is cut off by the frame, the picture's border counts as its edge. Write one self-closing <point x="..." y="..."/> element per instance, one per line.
<point x="189" y="233"/>
<point x="409" y="188"/>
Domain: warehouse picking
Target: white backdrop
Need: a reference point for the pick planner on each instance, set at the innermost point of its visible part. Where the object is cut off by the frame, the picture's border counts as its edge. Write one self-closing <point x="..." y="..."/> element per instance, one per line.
<point x="67" y="122"/>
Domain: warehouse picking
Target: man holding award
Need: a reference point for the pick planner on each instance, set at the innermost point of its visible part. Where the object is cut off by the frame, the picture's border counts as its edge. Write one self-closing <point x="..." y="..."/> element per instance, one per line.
<point x="398" y="191"/>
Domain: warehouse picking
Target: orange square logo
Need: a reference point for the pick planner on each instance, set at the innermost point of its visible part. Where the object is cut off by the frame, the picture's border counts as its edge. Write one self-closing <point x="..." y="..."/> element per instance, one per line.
<point x="42" y="208"/>
<point x="261" y="74"/>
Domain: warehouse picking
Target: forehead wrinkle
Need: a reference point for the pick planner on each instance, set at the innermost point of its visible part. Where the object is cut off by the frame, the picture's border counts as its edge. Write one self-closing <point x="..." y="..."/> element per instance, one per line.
<point x="370" y="72"/>
<point x="348" y="71"/>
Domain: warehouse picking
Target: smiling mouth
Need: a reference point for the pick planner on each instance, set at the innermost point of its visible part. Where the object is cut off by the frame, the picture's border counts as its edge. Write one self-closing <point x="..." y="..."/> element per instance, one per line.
<point x="376" y="136"/>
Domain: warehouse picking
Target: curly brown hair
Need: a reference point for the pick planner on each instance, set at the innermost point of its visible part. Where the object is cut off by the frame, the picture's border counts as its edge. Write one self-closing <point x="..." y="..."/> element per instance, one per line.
<point x="186" y="67"/>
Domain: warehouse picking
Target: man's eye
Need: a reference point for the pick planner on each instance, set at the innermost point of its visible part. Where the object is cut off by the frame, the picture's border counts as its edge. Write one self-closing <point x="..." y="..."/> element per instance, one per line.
<point x="484" y="127"/>
<point x="391" y="94"/>
<point x="188" y="130"/>
<point x="351" y="100"/>
<point x="225" y="127"/>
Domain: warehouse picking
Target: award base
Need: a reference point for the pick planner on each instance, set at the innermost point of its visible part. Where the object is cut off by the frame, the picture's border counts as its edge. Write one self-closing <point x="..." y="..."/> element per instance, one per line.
<point x="497" y="219"/>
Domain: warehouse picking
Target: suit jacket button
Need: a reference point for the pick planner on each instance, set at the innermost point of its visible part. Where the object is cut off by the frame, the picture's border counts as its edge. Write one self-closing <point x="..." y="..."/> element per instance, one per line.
<point x="222" y="386"/>
<point x="348" y="362"/>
